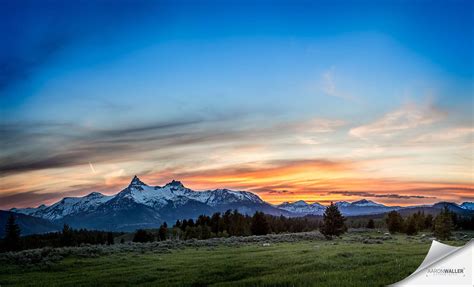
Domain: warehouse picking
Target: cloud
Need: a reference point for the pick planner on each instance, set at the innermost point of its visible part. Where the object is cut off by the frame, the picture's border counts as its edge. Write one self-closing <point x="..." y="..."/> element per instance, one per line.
<point x="369" y="194"/>
<point x="36" y="146"/>
<point x="407" y="117"/>
<point x="445" y="135"/>
<point x="31" y="198"/>
<point x="315" y="125"/>
<point x="30" y="146"/>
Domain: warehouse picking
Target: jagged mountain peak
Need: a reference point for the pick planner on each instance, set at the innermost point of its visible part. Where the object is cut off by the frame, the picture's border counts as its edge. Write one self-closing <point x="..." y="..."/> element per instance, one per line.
<point x="137" y="182"/>
<point x="342" y="204"/>
<point x="365" y="202"/>
<point x="94" y="194"/>
<point x="300" y="203"/>
<point x="175" y="183"/>
<point x="362" y="201"/>
<point x="317" y="204"/>
<point x="302" y="207"/>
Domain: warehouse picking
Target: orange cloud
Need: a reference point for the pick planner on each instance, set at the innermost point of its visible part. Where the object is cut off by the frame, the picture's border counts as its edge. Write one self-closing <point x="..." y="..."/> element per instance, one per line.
<point x="320" y="180"/>
<point x="275" y="181"/>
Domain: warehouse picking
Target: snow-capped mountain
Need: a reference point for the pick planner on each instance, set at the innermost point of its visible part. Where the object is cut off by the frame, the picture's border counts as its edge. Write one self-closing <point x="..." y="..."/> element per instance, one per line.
<point x="366" y="203"/>
<point x="467" y="205"/>
<point x="360" y="207"/>
<point x="141" y="205"/>
<point x="66" y="206"/>
<point x="363" y="207"/>
<point x="302" y="207"/>
<point x="342" y="204"/>
<point x="176" y="192"/>
<point x="28" y="210"/>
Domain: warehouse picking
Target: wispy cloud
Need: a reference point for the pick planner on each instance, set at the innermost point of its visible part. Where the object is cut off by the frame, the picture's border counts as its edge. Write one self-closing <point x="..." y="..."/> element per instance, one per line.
<point x="444" y="135"/>
<point x="407" y="117"/>
<point x="315" y="125"/>
<point x="369" y="194"/>
<point x="36" y="146"/>
<point x="41" y="145"/>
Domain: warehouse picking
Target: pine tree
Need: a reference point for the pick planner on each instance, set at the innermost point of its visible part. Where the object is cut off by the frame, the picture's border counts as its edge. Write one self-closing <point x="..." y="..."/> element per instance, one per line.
<point x="67" y="236"/>
<point x="333" y="222"/>
<point x="110" y="238"/>
<point x="394" y="222"/>
<point x="177" y="224"/>
<point x="12" y="234"/>
<point x="428" y="222"/>
<point x="216" y="225"/>
<point x="371" y="224"/>
<point x="163" y="232"/>
<point x="443" y="224"/>
<point x="411" y="226"/>
<point x="141" y="235"/>
<point x="184" y="224"/>
<point x="205" y="232"/>
<point x="259" y="224"/>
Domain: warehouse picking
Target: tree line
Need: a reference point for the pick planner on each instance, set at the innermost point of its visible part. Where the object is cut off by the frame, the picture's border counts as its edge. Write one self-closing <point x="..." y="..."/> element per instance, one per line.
<point x="229" y="223"/>
<point x="68" y="236"/>
<point x="233" y="223"/>
<point x="442" y="225"/>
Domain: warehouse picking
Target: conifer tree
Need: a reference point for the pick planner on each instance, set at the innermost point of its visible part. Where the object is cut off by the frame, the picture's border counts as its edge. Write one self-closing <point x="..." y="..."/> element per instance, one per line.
<point x="142" y="235"/>
<point x="394" y="222"/>
<point x="12" y="234"/>
<point x="110" y="238"/>
<point x="428" y="222"/>
<point x="333" y="222"/>
<point x="259" y="224"/>
<point x="411" y="226"/>
<point x="163" y="232"/>
<point x="216" y="224"/>
<point x="371" y="224"/>
<point x="67" y="236"/>
<point x="443" y="224"/>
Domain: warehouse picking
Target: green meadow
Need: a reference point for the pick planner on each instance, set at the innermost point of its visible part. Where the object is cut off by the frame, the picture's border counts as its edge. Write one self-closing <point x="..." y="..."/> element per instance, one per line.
<point x="356" y="259"/>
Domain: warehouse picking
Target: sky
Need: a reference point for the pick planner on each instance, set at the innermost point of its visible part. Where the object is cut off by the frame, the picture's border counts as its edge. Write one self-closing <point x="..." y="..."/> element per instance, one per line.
<point x="294" y="100"/>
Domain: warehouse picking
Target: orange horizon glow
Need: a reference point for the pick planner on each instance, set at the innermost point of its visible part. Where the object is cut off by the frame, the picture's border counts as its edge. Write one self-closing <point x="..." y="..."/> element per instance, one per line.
<point x="275" y="182"/>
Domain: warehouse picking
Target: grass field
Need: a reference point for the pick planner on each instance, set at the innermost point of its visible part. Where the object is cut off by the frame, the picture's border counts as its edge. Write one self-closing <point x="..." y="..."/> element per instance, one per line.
<point x="347" y="261"/>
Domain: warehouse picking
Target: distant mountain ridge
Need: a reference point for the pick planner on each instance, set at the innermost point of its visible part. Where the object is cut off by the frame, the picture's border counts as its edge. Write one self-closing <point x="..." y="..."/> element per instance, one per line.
<point x="142" y="206"/>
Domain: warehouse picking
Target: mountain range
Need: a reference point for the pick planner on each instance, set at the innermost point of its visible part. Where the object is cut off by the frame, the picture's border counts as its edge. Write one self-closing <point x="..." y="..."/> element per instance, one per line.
<point x="142" y="206"/>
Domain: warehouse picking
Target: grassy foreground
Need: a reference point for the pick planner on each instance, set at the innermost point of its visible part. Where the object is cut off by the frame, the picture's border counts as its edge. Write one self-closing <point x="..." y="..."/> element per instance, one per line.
<point x="343" y="262"/>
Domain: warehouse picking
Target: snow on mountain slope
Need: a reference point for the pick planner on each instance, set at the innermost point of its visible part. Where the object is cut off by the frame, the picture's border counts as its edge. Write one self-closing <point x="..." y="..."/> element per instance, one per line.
<point x="138" y="192"/>
<point x="28" y="210"/>
<point x="67" y="206"/>
<point x="366" y="203"/>
<point x="175" y="201"/>
<point x="342" y="204"/>
<point x="467" y="205"/>
<point x="303" y="207"/>
<point x="175" y="191"/>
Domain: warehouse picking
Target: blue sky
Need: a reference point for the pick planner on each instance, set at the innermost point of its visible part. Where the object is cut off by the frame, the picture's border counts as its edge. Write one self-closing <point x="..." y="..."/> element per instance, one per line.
<point x="77" y="74"/>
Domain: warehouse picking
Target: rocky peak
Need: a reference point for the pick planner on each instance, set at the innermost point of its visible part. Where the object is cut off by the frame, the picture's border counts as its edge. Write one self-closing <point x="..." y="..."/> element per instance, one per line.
<point x="136" y="182"/>
<point x="175" y="183"/>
